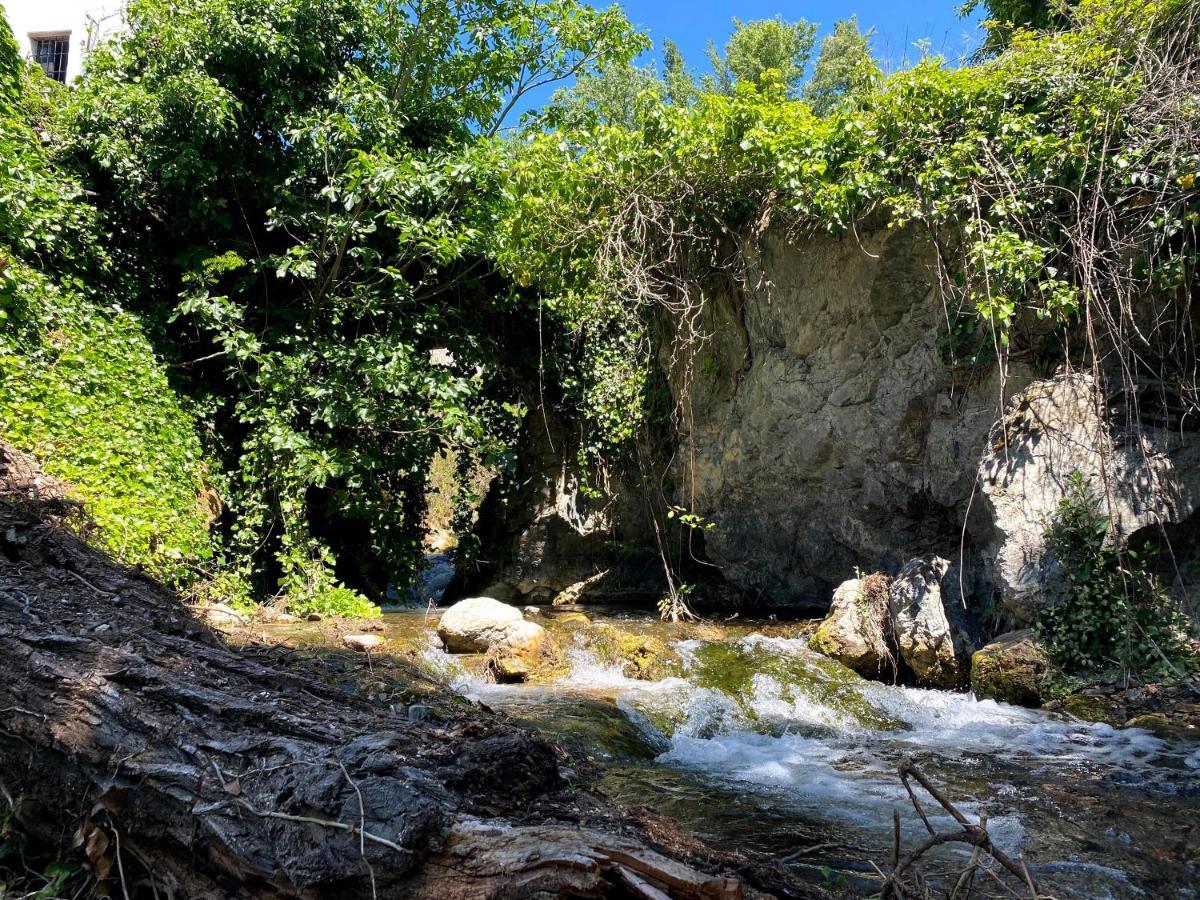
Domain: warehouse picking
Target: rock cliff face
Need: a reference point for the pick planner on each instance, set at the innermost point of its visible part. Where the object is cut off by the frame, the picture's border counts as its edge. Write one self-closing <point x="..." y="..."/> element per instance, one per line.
<point x="1143" y="464"/>
<point x="544" y="534"/>
<point x="824" y="435"/>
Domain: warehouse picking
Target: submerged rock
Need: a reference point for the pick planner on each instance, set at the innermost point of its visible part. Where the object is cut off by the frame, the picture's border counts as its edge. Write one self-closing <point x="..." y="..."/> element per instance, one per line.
<point x="853" y="632"/>
<point x="572" y="618"/>
<point x="1168" y="708"/>
<point x="640" y="655"/>
<point x="933" y="646"/>
<point x="1013" y="668"/>
<point x="475" y="624"/>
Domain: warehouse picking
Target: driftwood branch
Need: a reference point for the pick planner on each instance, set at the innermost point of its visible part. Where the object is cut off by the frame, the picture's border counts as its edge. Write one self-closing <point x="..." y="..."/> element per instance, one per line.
<point x="973" y="834"/>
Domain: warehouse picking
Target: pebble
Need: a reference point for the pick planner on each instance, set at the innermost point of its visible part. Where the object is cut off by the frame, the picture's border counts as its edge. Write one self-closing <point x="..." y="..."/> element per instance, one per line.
<point x="363" y="643"/>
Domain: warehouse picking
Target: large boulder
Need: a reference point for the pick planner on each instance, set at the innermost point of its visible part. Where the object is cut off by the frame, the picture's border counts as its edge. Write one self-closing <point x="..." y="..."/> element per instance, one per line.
<point x="927" y="619"/>
<point x="854" y="631"/>
<point x="476" y="624"/>
<point x="1147" y="474"/>
<point x="1013" y="668"/>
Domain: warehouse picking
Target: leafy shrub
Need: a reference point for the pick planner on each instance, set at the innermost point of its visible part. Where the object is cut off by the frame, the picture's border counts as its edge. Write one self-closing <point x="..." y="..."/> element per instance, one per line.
<point x="80" y="386"/>
<point x="81" y="389"/>
<point x="307" y="187"/>
<point x="1115" y="612"/>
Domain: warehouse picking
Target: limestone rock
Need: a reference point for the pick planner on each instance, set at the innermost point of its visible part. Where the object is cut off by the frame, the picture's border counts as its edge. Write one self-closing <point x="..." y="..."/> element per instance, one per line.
<point x="523" y="639"/>
<point x="525" y="650"/>
<point x="507" y="669"/>
<point x="1012" y="668"/>
<point x="1051" y="430"/>
<point x="933" y="646"/>
<point x="851" y="632"/>
<point x="824" y="433"/>
<point x="475" y="624"/>
<point x="363" y="643"/>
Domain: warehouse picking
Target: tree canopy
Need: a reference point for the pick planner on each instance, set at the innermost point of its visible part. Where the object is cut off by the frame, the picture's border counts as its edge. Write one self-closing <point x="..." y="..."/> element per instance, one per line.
<point x="758" y="48"/>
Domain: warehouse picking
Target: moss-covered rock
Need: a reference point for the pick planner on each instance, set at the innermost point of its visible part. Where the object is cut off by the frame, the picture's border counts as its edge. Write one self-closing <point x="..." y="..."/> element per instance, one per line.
<point x="643" y="656"/>
<point x="853" y="631"/>
<point x="572" y="618"/>
<point x="1013" y="668"/>
<point x="760" y="673"/>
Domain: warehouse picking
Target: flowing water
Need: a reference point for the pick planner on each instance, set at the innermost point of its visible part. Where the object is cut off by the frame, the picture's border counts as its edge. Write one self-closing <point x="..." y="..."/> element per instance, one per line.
<point x="758" y="744"/>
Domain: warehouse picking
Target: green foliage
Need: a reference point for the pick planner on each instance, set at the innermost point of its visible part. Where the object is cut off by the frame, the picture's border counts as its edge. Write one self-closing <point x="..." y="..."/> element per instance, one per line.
<point x="10" y="62"/>
<point x="1004" y="16"/>
<point x="681" y="84"/>
<point x="844" y="71"/>
<point x="761" y="53"/>
<point x="1002" y="162"/>
<point x="1115" y="612"/>
<point x="303" y="193"/>
<point x="80" y="385"/>
<point x="81" y="389"/>
<point x="611" y="97"/>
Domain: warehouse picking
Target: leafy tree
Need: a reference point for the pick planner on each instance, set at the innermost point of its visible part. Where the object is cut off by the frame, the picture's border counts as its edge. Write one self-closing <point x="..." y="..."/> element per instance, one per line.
<point x="302" y="194"/>
<point x="681" y="84"/>
<point x="1006" y="15"/>
<point x="611" y="97"/>
<point x="844" y="69"/>
<point x="759" y="47"/>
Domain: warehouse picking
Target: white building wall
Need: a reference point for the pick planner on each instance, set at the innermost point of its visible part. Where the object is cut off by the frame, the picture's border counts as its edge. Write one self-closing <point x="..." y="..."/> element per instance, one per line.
<point x="85" y="22"/>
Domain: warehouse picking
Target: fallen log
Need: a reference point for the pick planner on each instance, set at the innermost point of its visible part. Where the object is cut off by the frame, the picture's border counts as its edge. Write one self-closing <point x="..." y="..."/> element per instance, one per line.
<point x="177" y="766"/>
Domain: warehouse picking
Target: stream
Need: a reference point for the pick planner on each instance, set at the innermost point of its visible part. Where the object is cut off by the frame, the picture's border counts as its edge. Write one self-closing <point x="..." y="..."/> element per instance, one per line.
<point x="757" y="744"/>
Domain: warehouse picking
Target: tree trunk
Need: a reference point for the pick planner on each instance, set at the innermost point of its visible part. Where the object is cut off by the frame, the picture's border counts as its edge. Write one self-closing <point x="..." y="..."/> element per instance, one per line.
<point x="178" y="766"/>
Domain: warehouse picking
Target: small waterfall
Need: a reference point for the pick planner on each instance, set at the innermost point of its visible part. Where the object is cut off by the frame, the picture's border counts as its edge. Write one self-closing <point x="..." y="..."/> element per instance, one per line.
<point x="762" y="726"/>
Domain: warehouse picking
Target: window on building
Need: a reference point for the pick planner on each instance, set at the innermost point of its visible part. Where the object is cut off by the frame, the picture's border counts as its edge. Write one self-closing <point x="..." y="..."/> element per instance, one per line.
<point x="50" y="52"/>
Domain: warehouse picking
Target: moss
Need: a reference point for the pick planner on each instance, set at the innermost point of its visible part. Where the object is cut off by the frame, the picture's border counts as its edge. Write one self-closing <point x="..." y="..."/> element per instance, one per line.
<point x="1014" y="668"/>
<point x="731" y="669"/>
<point x="642" y="656"/>
<point x="1094" y="708"/>
<point x="572" y="618"/>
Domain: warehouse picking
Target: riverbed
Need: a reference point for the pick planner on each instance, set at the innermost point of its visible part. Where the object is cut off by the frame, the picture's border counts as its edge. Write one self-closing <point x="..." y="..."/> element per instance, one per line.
<point x="757" y="744"/>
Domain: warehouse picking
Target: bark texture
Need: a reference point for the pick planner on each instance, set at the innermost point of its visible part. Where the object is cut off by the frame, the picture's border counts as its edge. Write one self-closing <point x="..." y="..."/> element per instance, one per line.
<point x="179" y="766"/>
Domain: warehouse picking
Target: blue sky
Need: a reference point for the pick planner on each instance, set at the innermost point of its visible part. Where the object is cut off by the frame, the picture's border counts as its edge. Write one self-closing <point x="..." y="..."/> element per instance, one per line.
<point x="898" y="26"/>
